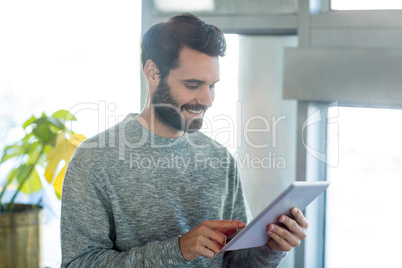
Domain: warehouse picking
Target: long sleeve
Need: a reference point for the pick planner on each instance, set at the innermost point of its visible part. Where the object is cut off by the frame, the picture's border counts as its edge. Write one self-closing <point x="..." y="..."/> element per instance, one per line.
<point x="87" y="228"/>
<point x="254" y="257"/>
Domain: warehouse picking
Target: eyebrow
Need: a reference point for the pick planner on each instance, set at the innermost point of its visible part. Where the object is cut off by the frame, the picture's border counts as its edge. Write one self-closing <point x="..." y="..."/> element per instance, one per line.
<point x="196" y="81"/>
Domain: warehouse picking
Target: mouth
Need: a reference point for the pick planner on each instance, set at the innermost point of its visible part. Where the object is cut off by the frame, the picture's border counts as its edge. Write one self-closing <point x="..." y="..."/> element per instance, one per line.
<point x="194" y="111"/>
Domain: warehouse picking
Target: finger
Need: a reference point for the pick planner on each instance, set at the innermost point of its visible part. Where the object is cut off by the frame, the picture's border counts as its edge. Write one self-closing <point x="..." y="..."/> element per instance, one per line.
<point x="299" y="217"/>
<point x="208" y="253"/>
<point x="282" y="236"/>
<point x="203" y="250"/>
<point x="293" y="226"/>
<point x="278" y="243"/>
<point x="211" y="246"/>
<point x="224" y="224"/>
<point x="215" y="229"/>
<point x="212" y="235"/>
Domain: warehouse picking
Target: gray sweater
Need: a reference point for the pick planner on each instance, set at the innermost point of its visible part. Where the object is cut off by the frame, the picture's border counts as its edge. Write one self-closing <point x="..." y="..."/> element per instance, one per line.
<point x="129" y="194"/>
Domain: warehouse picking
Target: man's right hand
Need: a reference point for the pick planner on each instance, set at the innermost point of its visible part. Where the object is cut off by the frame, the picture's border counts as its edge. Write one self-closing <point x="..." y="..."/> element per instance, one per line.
<point x="207" y="238"/>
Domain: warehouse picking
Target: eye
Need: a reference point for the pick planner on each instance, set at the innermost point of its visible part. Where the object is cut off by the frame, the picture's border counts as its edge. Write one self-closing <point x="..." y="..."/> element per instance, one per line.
<point x="191" y="87"/>
<point x="212" y="86"/>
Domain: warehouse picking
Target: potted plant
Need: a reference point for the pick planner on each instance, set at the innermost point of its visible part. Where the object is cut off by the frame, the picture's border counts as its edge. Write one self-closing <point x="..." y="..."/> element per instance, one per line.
<point x="43" y="152"/>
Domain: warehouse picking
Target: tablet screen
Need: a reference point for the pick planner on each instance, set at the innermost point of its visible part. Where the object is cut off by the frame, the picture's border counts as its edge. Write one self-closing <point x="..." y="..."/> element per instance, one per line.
<point x="299" y="194"/>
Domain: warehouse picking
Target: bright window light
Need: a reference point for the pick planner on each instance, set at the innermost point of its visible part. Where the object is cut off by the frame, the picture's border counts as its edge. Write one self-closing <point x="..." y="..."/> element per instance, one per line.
<point x="220" y="120"/>
<point x="365" y="4"/>
<point x="184" y="5"/>
<point x="365" y="193"/>
<point x="81" y="56"/>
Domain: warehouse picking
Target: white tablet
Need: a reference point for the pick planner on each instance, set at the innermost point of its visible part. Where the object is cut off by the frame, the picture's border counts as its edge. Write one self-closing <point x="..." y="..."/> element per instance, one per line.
<point x="299" y="194"/>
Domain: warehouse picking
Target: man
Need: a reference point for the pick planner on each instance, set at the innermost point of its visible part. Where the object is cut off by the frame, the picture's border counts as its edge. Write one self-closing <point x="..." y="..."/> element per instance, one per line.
<point x="145" y="193"/>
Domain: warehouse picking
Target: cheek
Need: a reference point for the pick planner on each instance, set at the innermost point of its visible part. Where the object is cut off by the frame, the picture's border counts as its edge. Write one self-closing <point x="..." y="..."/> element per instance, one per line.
<point x="181" y="95"/>
<point x="180" y="99"/>
<point x="212" y="94"/>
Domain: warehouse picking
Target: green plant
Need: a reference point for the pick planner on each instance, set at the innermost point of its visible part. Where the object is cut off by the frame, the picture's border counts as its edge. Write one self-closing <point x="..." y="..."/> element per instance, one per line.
<point x="47" y="146"/>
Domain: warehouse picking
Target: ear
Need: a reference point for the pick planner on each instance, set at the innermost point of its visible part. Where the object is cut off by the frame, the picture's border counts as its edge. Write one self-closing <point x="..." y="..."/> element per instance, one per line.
<point x="151" y="73"/>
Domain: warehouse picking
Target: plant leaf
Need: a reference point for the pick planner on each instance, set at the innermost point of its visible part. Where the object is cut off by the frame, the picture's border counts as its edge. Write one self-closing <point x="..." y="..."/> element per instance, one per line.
<point x="11" y="151"/>
<point x="29" y="122"/>
<point x="63" y="150"/>
<point x="76" y="139"/>
<point x="58" y="182"/>
<point x="45" y="144"/>
<point x="64" y="115"/>
<point x="28" y="138"/>
<point x="54" y="156"/>
<point x="32" y="184"/>
<point x="44" y="133"/>
<point x="32" y="149"/>
<point x="49" y="121"/>
<point x="57" y="123"/>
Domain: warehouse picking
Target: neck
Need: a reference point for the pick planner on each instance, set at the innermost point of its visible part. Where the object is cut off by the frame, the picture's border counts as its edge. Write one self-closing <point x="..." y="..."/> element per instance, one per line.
<point x="148" y="120"/>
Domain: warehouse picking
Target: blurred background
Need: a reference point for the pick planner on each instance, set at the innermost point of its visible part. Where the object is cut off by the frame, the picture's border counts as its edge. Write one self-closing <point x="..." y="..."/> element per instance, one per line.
<point x="310" y="89"/>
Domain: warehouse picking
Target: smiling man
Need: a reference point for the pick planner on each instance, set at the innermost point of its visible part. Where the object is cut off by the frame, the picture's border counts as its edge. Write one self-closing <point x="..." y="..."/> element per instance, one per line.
<point x="152" y="191"/>
<point x="181" y="99"/>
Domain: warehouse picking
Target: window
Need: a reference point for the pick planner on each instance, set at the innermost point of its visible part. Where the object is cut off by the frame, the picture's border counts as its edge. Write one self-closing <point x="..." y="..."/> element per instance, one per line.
<point x="226" y="7"/>
<point x="365" y="193"/>
<point x="81" y="56"/>
<point x="60" y="55"/>
<point x="365" y="4"/>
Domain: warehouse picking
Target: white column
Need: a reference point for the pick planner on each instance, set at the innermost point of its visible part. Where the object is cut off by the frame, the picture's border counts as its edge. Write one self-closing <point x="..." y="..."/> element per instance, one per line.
<point x="267" y="123"/>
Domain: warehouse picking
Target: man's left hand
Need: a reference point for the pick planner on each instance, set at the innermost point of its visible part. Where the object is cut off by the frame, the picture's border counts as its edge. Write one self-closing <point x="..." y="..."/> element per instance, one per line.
<point x="288" y="237"/>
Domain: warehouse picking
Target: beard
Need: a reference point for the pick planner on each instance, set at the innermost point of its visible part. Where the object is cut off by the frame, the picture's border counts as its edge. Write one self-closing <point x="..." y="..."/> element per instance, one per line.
<point x="169" y="112"/>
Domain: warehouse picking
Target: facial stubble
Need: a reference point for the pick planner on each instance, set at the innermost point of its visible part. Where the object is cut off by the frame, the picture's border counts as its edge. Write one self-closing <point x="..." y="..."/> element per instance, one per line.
<point x="169" y="112"/>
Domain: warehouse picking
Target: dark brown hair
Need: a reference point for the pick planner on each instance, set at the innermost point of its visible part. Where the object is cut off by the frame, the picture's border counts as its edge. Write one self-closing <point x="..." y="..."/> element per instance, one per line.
<point x="163" y="41"/>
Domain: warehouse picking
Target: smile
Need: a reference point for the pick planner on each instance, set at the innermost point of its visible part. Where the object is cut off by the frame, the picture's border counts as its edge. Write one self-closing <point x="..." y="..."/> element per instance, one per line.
<point x="194" y="111"/>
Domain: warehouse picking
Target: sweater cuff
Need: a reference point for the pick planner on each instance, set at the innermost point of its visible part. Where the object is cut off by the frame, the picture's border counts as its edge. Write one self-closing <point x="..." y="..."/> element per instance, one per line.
<point x="271" y="255"/>
<point x="172" y="253"/>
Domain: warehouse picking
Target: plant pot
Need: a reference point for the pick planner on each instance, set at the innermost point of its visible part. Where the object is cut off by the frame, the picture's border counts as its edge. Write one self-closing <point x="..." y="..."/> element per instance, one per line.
<point x="21" y="237"/>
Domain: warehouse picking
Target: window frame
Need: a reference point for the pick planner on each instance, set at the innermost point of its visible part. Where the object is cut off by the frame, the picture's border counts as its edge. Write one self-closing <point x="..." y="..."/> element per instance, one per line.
<point x="352" y="27"/>
<point x="309" y="168"/>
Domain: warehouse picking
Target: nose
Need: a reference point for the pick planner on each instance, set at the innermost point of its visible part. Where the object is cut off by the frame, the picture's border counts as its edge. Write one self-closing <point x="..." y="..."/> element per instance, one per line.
<point x="206" y="96"/>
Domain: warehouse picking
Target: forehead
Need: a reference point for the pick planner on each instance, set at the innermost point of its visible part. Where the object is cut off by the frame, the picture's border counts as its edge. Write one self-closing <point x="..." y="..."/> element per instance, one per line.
<point x="196" y="65"/>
